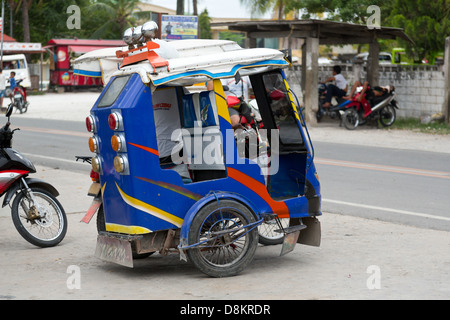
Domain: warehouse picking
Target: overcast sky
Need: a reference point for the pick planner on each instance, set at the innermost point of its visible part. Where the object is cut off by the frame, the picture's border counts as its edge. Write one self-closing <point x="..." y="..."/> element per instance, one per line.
<point x="216" y="8"/>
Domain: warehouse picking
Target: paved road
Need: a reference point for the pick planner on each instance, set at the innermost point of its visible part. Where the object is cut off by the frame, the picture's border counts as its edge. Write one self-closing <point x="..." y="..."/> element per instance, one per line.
<point x="405" y="186"/>
<point x="358" y="259"/>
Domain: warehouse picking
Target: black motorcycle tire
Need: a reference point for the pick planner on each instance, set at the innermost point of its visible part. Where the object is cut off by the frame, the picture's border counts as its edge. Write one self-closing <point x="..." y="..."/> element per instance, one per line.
<point x="24" y="108"/>
<point x="222" y="256"/>
<point x="45" y="236"/>
<point x="387" y="115"/>
<point x="351" y="119"/>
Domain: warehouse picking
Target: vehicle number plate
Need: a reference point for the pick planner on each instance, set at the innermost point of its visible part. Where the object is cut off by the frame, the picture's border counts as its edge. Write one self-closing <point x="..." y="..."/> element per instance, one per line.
<point x="114" y="250"/>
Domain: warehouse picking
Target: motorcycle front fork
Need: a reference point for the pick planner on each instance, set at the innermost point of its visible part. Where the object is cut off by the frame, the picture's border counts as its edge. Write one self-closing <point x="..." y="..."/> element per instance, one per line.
<point x="32" y="212"/>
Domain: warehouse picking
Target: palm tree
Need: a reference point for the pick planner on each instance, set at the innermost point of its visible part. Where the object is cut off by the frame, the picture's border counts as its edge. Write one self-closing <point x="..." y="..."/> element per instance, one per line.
<point x="194" y="4"/>
<point x="120" y="16"/>
<point x="262" y="6"/>
<point x="180" y="7"/>
<point x="25" y="5"/>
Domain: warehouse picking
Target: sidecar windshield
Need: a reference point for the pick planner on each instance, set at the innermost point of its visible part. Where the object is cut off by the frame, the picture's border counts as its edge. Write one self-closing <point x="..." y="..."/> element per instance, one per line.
<point x="113" y="92"/>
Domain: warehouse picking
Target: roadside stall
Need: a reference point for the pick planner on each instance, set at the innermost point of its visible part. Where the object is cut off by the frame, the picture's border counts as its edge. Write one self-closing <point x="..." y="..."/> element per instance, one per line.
<point x="62" y="54"/>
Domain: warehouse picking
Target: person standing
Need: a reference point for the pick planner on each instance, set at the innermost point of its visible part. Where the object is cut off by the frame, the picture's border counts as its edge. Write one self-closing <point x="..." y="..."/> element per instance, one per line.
<point x="2" y="88"/>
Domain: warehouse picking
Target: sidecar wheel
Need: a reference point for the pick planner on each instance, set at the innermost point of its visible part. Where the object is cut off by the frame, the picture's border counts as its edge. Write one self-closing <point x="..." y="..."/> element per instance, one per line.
<point x="226" y="248"/>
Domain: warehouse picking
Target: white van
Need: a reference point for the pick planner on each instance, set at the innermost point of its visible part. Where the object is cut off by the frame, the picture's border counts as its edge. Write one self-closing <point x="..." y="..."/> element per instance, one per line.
<point x="18" y="64"/>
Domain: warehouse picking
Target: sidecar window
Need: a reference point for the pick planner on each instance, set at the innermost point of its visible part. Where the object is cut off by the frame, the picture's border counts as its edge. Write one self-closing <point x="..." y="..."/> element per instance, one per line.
<point x="283" y="114"/>
<point x="113" y="92"/>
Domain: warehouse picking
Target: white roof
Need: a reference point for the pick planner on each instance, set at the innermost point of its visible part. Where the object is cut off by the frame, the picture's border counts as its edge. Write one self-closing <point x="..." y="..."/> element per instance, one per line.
<point x="190" y="61"/>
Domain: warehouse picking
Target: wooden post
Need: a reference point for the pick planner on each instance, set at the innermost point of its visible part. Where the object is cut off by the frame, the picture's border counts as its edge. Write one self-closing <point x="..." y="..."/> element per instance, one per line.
<point x="250" y="42"/>
<point x="310" y="78"/>
<point x="446" y="106"/>
<point x="373" y="63"/>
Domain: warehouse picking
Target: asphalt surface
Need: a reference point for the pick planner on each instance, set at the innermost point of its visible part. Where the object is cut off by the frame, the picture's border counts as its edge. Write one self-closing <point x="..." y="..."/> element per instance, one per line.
<point x="358" y="258"/>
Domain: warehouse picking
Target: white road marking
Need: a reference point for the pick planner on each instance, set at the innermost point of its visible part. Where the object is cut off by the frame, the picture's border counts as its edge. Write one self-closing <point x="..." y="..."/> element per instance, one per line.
<point x="365" y="206"/>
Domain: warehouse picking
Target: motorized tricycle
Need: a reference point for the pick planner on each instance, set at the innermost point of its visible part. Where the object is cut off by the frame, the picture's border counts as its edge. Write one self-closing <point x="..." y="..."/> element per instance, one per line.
<point x="170" y="177"/>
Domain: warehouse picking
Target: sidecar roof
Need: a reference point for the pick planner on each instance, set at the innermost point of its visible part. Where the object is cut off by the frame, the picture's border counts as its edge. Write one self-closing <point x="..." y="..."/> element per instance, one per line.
<point x="188" y="62"/>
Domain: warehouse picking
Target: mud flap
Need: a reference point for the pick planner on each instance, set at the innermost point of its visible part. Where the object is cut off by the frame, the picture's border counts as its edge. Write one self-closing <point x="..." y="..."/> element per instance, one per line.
<point x="94" y="191"/>
<point x="290" y="238"/>
<point x="96" y="203"/>
<point x="312" y="235"/>
<point x="114" y="250"/>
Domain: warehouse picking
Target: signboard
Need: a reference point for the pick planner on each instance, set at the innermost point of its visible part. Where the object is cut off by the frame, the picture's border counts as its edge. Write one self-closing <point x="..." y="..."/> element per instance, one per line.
<point x="179" y="27"/>
<point x="21" y="46"/>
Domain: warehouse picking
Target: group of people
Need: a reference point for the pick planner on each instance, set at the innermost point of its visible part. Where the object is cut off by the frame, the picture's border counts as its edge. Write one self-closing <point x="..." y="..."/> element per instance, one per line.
<point x="12" y="82"/>
<point x="340" y="88"/>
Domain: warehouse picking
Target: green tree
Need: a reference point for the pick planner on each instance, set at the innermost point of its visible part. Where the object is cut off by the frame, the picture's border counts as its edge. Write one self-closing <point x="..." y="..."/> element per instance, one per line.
<point x="354" y="11"/>
<point x="24" y="6"/>
<point x="117" y="17"/>
<point x="425" y="22"/>
<point x="47" y="20"/>
<point x="263" y="6"/>
<point x="204" y="22"/>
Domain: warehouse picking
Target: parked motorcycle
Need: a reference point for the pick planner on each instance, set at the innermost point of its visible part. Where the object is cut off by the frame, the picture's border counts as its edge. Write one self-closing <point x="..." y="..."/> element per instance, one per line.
<point x="382" y="109"/>
<point x="19" y="98"/>
<point x="334" y="112"/>
<point x="37" y="214"/>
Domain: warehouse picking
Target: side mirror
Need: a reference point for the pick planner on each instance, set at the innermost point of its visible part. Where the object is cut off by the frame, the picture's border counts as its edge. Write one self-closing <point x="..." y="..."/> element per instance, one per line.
<point x="9" y="111"/>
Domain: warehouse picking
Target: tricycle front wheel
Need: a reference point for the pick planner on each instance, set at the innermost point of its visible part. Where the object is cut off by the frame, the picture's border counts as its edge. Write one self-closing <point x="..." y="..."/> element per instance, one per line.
<point x="227" y="238"/>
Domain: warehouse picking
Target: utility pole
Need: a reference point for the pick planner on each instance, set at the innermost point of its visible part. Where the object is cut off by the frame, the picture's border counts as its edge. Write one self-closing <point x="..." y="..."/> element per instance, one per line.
<point x="3" y="31"/>
<point x="446" y="106"/>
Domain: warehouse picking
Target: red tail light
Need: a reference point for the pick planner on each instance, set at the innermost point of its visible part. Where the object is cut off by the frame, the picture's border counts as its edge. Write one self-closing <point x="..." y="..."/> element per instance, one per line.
<point x="115" y="121"/>
<point x="90" y="123"/>
<point x="95" y="176"/>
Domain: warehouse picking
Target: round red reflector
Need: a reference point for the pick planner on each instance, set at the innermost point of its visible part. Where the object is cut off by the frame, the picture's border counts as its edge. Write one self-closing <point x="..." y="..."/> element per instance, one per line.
<point x="114" y="121"/>
<point x="90" y="124"/>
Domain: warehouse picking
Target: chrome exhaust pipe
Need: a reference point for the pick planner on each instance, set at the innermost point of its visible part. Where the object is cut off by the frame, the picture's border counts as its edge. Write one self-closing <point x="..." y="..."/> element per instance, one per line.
<point x="383" y="103"/>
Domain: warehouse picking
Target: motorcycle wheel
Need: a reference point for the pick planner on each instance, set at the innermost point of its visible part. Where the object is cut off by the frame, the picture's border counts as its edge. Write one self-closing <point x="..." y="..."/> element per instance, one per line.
<point x="18" y="105"/>
<point x="24" y="107"/>
<point x="387" y="115"/>
<point x="266" y="233"/>
<point x="351" y="119"/>
<point x="226" y="248"/>
<point x="45" y="231"/>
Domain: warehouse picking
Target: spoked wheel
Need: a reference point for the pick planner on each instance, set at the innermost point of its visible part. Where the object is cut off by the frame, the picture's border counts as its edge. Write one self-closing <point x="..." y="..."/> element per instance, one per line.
<point x="227" y="238"/>
<point x="45" y="223"/>
<point x="351" y="118"/>
<point x="387" y="115"/>
<point x="267" y="236"/>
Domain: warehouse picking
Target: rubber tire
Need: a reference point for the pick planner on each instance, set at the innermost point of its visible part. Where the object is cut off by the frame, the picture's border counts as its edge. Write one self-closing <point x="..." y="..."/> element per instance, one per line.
<point x="235" y="267"/>
<point x="272" y="241"/>
<point x="25" y="234"/>
<point x="391" y="109"/>
<point x="351" y="113"/>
